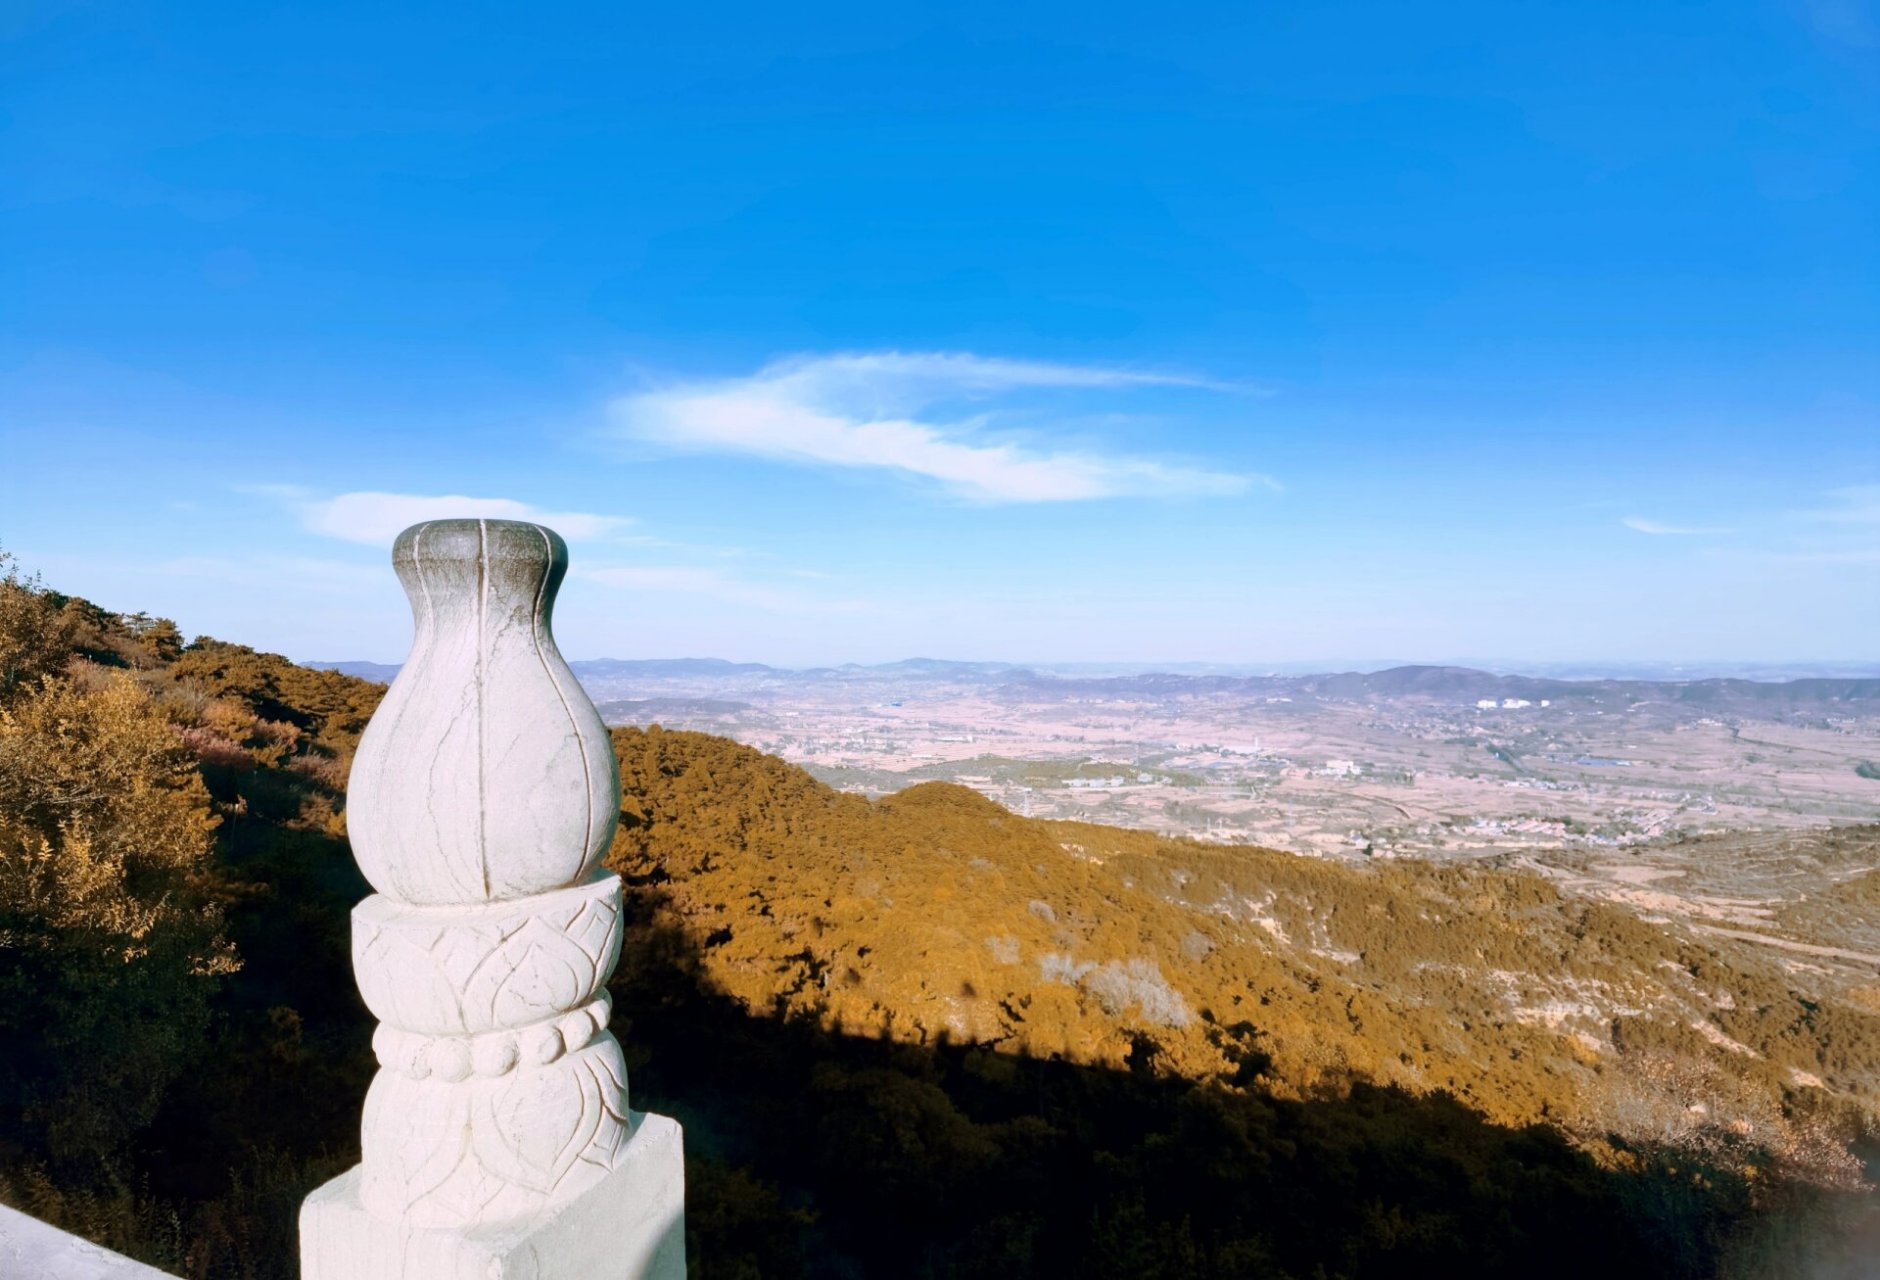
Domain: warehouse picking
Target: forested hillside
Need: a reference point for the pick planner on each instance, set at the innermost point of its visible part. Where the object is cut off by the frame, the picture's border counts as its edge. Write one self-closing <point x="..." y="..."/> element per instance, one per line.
<point x="934" y="913"/>
<point x="1606" y="1091"/>
<point x="918" y="1036"/>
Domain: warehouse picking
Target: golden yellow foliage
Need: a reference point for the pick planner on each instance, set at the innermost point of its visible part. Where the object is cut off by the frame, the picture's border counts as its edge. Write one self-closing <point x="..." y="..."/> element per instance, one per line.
<point x="35" y="632"/>
<point x="107" y="927"/>
<point x="935" y="915"/>
<point x="106" y="765"/>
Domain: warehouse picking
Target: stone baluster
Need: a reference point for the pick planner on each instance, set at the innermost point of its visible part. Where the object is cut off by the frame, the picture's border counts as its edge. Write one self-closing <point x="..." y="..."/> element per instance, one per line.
<point x="496" y="1139"/>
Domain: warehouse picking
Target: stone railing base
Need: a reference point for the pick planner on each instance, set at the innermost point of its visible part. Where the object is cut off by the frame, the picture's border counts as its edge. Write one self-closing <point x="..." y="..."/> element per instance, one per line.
<point x="35" y="1250"/>
<point x="628" y="1226"/>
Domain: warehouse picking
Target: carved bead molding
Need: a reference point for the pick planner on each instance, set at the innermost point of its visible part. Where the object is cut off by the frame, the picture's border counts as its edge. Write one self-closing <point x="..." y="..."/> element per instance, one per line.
<point x="482" y="798"/>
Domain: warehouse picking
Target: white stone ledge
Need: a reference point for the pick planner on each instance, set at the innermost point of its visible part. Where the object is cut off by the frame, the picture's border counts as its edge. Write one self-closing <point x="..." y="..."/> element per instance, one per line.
<point x="33" y="1250"/>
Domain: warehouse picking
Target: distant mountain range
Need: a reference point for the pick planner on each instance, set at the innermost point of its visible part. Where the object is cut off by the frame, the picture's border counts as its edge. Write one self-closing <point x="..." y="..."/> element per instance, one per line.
<point x="1468" y="684"/>
<point x="1798" y="685"/>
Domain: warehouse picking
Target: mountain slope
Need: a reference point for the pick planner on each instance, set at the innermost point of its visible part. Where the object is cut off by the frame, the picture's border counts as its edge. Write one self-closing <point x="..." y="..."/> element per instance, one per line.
<point x="914" y="1037"/>
<point x="934" y="915"/>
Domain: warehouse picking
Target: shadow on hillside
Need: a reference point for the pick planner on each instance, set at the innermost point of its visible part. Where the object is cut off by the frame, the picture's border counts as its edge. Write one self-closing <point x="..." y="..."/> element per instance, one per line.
<point x="813" y="1152"/>
<point x="820" y="1153"/>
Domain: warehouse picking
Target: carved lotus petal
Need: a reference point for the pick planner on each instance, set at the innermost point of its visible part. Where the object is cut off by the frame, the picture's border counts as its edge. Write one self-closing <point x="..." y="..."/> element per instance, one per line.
<point x="539" y="967"/>
<point x="483" y="967"/>
<point x="416" y="1137"/>
<point x="536" y="1126"/>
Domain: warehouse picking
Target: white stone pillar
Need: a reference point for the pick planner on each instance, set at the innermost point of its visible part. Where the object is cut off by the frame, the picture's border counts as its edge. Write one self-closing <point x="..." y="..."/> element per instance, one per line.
<point x="497" y="1143"/>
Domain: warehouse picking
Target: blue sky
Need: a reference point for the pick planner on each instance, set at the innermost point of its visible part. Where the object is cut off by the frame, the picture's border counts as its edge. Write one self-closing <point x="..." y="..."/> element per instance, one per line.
<point x="1235" y="333"/>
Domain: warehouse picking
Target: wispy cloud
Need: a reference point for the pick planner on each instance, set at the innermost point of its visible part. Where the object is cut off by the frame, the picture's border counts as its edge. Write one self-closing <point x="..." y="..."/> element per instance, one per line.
<point x="1845" y="555"/>
<point x="377" y="518"/>
<point x="1844" y="531"/>
<point x="1841" y="529"/>
<point x="303" y="572"/>
<point x="926" y="414"/>
<point x="1857" y="504"/>
<point x="1658" y="528"/>
<point x="712" y="584"/>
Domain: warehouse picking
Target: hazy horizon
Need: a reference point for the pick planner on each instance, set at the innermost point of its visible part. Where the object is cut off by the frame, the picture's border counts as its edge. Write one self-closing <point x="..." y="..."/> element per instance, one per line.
<point x="1562" y="670"/>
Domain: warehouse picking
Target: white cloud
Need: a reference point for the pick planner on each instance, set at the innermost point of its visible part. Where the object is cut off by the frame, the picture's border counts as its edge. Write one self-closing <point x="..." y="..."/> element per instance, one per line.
<point x="377" y="518"/>
<point x="880" y="370"/>
<point x="866" y="410"/>
<point x="1659" y="529"/>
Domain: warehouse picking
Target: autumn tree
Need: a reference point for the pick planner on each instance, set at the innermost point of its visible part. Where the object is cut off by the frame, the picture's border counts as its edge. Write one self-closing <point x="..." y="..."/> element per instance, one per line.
<point x="108" y="932"/>
<point x="35" y="631"/>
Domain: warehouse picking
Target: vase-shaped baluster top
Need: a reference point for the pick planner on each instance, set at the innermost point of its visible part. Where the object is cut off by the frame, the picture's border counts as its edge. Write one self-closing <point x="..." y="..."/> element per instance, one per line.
<point x="486" y="774"/>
